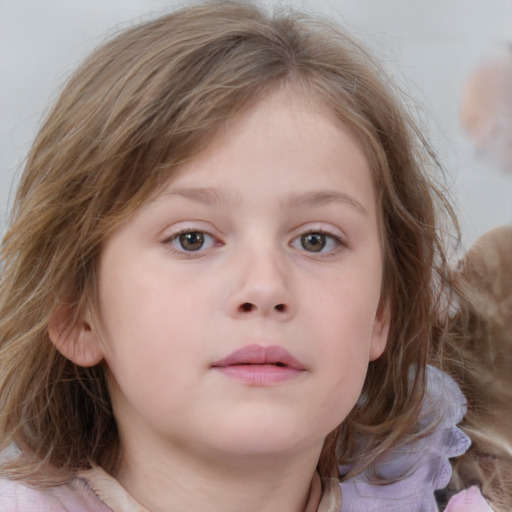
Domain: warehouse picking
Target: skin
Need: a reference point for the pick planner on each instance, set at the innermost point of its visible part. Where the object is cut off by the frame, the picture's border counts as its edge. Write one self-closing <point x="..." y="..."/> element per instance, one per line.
<point x="193" y="437"/>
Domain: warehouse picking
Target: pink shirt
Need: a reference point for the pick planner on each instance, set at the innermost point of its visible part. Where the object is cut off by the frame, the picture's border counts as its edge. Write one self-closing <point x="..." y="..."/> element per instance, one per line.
<point x="96" y="491"/>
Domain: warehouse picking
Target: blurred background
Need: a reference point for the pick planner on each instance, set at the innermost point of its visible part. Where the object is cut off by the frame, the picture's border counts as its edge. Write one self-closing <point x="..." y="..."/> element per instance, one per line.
<point x="433" y="48"/>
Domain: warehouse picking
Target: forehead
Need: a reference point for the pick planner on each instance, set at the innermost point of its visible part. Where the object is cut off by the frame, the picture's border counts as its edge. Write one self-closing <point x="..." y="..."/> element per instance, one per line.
<point x="287" y="127"/>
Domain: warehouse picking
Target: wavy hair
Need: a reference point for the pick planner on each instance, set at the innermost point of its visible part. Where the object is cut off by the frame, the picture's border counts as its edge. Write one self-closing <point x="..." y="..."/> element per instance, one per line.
<point x="134" y="112"/>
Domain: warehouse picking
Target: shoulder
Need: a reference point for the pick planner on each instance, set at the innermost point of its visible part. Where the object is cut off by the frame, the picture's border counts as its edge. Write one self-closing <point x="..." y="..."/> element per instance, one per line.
<point x="75" y="497"/>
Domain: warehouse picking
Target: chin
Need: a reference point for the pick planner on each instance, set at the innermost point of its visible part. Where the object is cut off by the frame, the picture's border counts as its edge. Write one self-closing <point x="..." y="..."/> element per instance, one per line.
<point x="264" y="440"/>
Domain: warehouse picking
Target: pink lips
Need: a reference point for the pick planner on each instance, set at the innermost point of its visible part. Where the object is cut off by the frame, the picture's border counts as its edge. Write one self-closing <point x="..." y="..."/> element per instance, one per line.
<point x="260" y="366"/>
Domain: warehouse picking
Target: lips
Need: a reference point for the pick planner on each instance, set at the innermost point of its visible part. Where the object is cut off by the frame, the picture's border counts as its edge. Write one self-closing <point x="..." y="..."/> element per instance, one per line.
<point x="260" y="366"/>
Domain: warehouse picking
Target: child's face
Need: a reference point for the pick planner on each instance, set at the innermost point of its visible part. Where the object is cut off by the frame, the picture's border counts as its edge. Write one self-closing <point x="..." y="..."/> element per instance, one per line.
<point x="268" y="239"/>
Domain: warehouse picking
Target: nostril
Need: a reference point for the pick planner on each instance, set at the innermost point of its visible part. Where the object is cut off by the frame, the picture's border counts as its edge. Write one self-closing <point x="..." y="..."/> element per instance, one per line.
<point x="246" y="307"/>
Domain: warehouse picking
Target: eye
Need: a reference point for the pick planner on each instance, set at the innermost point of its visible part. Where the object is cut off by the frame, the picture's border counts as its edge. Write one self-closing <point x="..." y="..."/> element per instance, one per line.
<point x="191" y="241"/>
<point x="317" y="242"/>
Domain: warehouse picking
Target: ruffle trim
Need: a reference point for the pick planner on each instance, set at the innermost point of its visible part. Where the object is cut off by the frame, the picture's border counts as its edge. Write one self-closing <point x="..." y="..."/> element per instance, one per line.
<point x="419" y="468"/>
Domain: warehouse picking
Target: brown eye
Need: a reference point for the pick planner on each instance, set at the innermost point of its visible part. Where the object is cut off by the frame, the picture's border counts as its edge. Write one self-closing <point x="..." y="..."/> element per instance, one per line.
<point x="313" y="242"/>
<point x="319" y="242"/>
<point x="191" y="241"/>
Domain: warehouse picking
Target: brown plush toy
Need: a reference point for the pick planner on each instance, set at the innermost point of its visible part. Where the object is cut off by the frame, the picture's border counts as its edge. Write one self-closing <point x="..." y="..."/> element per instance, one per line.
<point x="482" y="363"/>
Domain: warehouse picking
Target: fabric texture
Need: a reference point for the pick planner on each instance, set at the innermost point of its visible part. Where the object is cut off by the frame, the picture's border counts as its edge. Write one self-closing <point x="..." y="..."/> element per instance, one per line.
<point x="420" y="467"/>
<point x="470" y="500"/>
<point x="96" y="491"/>
<point x="75" y="497"/>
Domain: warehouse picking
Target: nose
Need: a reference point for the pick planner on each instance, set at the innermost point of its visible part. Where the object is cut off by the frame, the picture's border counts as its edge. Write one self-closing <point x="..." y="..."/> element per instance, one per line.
<point x="261" y="287"/>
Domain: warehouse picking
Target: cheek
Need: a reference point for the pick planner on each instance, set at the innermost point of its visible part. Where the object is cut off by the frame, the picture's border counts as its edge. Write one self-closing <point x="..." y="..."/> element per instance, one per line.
<point x="343" y="319"/>
<point x="344" y="308"/>
<point x="343" y="378"/>
<point x="149" y="329"/>
<point x="149" y="298"/>
<point x="154" y="360"/>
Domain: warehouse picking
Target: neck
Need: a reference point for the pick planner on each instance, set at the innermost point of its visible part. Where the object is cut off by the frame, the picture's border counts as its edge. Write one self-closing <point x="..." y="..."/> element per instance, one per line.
<point x="180" y="483"/>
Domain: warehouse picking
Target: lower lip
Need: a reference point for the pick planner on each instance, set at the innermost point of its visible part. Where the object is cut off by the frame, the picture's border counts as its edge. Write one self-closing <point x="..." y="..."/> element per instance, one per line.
<point x="259" y="374"/>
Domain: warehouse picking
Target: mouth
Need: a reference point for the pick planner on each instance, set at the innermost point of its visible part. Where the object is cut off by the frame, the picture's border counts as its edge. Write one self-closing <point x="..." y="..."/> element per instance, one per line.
<point x="260" y="366"/>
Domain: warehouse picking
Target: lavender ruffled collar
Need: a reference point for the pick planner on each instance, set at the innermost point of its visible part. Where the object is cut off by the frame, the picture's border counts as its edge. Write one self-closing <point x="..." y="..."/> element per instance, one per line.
<point x="424" y="462"/>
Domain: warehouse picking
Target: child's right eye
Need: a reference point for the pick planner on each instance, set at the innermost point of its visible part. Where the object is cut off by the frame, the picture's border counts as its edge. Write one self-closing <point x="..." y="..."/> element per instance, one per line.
<point x="191" y="241"/>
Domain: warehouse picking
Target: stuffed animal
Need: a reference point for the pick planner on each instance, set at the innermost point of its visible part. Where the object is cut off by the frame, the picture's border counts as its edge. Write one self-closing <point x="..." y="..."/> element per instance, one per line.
<point x="480" y="359"/>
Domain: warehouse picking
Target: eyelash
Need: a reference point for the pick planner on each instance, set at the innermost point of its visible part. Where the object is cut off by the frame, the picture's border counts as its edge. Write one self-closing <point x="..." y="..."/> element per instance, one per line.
<point x="329" y="236"/>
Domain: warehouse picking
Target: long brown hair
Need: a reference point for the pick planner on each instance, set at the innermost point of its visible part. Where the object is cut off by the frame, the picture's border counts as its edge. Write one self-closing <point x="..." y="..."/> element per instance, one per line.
<point x="137" y="109"/>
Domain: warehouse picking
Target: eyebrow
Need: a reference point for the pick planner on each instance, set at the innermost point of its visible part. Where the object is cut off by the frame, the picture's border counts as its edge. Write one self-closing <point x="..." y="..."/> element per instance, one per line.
<point x="316" y="198"/>
<point x="207" y="195"/>
<point x="321" y="198"/>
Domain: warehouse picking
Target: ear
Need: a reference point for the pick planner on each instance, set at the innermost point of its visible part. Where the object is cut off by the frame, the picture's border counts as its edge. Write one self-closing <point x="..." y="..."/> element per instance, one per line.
<point x="77" y="342"/>
<point x="380" y="332"/>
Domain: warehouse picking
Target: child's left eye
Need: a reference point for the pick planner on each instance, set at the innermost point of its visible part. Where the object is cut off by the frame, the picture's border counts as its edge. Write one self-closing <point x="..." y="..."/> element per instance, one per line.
<point x="191" y="241"/>
<point x="316" y="242"/>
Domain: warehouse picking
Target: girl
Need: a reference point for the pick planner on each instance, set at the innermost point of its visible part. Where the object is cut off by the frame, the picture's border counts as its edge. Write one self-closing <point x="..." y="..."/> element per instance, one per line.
<point x="220" y="281"/>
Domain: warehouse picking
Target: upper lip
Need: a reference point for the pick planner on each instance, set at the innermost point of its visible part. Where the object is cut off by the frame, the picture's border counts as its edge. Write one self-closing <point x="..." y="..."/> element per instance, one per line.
<point x="258" y="354"/>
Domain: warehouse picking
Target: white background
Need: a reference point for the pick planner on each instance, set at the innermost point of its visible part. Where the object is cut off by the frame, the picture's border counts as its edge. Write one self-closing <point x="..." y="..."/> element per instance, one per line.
<point x="430" y="45"/>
